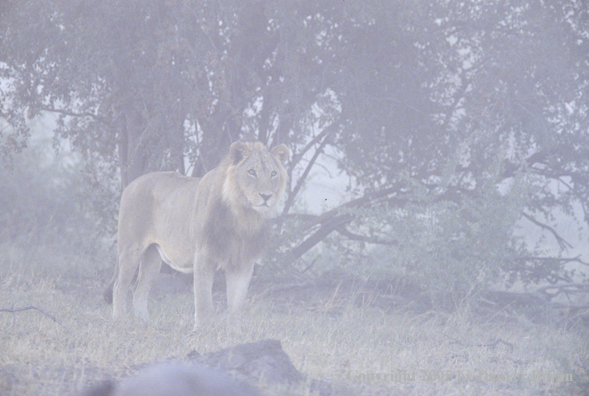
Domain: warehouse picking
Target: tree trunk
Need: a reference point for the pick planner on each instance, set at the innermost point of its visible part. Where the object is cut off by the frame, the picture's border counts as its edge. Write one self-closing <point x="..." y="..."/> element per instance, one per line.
<point x="132" y="157"/>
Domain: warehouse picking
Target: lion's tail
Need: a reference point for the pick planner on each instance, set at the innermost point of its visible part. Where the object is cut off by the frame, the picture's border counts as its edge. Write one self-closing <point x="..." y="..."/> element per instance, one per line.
<point x="109" y="289"/>
<point x="108" y="293"/>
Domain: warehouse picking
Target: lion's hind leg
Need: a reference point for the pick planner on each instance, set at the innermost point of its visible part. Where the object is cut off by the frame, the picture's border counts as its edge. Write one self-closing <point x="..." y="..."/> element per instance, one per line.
<point x="149" y="269"/>
<point x="129" y="260"/>
<point x="204" y="274"/>
<point x="109" y="289"/>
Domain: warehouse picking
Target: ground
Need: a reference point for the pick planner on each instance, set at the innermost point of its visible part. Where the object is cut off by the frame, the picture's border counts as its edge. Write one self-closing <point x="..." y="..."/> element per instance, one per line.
<point x="364" y="338"/>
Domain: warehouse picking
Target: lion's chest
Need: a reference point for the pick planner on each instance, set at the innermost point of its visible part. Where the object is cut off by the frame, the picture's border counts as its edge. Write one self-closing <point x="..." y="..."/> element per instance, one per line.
<point x="233" y="241"/>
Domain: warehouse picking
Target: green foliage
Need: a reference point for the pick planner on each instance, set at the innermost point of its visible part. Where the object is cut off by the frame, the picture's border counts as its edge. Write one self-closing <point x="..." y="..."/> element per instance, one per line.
<point x="145" y="83"/>
<point x="434" y="106"/>
<point x="454" y="250"/>
<point x="45" y="221"/>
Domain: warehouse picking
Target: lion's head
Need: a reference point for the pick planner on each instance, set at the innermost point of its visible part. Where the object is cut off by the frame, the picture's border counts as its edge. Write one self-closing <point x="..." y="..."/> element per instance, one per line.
<point x="255" y="176"/>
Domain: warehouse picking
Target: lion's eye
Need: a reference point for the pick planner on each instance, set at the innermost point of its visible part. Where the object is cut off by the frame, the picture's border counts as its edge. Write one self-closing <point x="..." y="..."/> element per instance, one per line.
<point x="273" y="174"/>
<point x="251" y="172"/>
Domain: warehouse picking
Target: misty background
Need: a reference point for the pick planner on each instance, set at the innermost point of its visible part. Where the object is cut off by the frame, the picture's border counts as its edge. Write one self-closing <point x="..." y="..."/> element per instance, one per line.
<point x="442" y="143"/>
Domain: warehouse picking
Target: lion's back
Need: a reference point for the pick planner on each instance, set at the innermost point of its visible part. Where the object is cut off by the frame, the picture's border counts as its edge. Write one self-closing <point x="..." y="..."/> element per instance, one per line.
<point x="152" y="202"/>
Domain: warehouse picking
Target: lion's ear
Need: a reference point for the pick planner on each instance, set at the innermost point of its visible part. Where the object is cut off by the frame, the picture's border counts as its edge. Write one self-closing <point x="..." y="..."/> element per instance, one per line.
<point x="282" y="152"/>
<point x="238" y="151"/>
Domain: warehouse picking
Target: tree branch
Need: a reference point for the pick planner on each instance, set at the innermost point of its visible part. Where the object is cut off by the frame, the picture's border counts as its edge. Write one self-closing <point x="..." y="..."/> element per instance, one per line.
<point x="362" y="238"/>
<point x="316" y="139"/>
<point x="332" y="220"/>
<point x="74" y="114"/>
<point x="29" y="307"/>
<point x="301" y="180"/>
<point x="562" y="243"/>
<point x="317" y="237"/>
<point x="576" y="259"/>
<point x="491" y="345"/>
<point x="543" y="296"/>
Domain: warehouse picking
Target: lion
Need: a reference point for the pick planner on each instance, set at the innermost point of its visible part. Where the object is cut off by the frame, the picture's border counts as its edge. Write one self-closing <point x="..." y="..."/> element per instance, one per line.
<point x="199" y="226"/>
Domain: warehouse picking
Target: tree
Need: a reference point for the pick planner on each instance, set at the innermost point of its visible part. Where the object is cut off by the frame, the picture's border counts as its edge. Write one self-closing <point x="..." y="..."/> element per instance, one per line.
<point x="496" y="102"/>
<point x="433" y="106"/>
<point x="145" y="85"/>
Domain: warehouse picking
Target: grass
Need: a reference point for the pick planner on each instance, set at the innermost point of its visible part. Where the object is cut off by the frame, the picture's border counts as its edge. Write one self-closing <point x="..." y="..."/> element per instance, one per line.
<point x="360" y="349"/>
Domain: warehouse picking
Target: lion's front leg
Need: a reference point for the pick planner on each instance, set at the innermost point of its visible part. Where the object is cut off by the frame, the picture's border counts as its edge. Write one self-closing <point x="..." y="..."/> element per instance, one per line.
<point x="238" y="280"/>
<point x="204" y="274"/>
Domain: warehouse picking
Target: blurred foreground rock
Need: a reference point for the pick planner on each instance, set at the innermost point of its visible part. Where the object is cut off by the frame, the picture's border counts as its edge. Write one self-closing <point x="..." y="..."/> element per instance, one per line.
<point x="254" y="362"/>
<point x="174" y="379"/>
<point x="230" y="371"/>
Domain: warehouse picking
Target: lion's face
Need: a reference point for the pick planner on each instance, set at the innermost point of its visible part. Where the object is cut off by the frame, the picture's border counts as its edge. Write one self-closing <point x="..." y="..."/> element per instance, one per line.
<point x="256" y="177"/>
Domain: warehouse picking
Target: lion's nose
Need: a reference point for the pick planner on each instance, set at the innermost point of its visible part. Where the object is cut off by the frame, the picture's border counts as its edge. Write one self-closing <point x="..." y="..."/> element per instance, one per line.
<point x="266" y="196"/>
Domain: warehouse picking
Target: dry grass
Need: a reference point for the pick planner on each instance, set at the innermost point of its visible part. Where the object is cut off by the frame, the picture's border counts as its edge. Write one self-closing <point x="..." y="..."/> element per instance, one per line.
<point x="360" y="349"/>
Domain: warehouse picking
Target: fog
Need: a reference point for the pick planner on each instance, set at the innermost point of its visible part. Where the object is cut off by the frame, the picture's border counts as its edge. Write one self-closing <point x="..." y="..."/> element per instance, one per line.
<point x="439" y="152"/>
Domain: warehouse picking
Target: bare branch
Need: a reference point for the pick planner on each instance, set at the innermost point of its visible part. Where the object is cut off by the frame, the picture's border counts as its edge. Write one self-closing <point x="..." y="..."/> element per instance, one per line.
<point x="543" y="296"/>
<point x="363" y="238"/>
<point x="309" y="145"/>
<point x="551" y="291"/>
<point x="562" y="243"/>
<point x="29" y="307"/>
<point x="333" y="220"/>
<point x="491" y="345"/>
<point x="297" y="216"/>
<point x="74" y="114"/>
<point x="301" y="180"/>
<point x="576" y="259"/>
<point x="325" y="229"/>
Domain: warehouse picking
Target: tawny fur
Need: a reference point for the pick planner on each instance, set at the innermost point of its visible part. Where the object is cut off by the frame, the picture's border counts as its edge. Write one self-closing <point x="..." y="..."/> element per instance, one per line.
<point x="198" y="225"/>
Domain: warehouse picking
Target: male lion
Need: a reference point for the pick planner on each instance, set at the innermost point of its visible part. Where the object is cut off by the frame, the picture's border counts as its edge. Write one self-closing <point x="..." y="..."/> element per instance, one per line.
<point x="198" y="225"/>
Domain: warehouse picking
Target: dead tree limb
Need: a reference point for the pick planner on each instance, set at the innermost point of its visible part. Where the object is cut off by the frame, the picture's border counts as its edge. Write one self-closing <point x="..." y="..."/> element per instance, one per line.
<point x="363" y="238"/>
<point x="29" y="307"/>
<point x="543" y="297"/>
<point x="326" y="228"/>
<point x="565" y="260"/>
<point x="562" y="243"/>
<point x="335" y="219"/>
<point x="491" y="345"/>
<point x="303" y="177"/>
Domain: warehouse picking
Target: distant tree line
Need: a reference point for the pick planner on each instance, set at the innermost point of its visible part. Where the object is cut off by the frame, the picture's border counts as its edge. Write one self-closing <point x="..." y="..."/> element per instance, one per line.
<point x="453" y="120"/>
